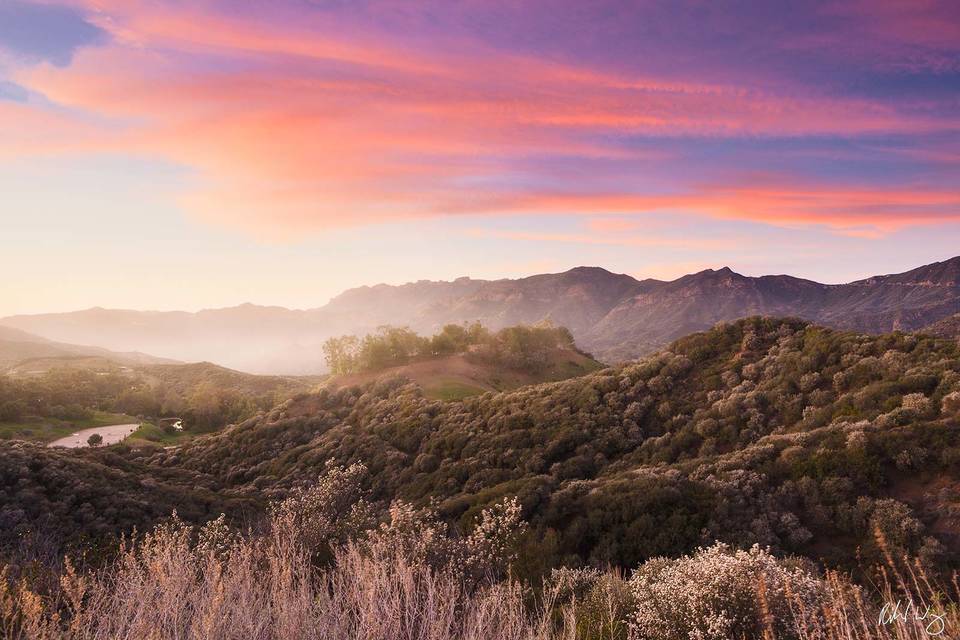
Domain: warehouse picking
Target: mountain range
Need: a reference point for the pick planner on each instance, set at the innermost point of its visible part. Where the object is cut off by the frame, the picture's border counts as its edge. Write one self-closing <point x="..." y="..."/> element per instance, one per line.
<point x="615" y="316"/>
<point x="24" y="350"/>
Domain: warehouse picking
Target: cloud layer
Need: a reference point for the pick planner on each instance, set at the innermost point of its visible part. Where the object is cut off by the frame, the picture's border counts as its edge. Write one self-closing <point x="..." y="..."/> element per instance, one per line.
<point x="301" y="117"/>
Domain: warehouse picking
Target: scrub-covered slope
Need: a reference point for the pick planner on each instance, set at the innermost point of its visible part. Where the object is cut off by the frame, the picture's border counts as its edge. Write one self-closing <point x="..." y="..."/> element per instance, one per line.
<point x="769" y="431"/>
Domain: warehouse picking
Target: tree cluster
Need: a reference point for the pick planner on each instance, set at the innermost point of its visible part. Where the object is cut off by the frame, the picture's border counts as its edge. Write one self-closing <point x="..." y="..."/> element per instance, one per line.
<point x="522" y="347"/>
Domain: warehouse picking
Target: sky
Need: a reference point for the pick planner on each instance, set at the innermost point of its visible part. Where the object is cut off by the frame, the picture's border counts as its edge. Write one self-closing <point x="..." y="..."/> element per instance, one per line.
<point x="187" y="154"/>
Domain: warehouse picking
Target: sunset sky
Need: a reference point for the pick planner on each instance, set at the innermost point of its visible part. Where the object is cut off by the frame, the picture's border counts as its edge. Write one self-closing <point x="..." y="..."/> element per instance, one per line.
<point x="163" y="154"/>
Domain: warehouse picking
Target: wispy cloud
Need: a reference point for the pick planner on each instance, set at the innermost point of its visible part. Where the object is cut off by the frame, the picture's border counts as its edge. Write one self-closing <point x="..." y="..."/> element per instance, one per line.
<point x="307" y="119"/>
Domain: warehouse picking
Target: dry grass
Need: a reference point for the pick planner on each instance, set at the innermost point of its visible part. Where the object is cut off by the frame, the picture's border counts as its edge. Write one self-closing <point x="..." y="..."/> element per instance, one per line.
<point x="905" y="603"/>
<point x="268" y="589"/>
<point x="307" y="577"/>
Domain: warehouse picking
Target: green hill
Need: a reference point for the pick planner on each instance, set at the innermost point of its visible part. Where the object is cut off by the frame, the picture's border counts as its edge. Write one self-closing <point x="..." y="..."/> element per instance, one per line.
<point x="459" y="361"/>
<point x="774" y="432"/>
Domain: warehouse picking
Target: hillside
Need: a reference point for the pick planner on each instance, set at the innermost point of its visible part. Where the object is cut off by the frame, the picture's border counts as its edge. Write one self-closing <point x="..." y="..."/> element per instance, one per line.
<point x="769" y="431"/>
<point x="22" y="353"/>
<point x="456" y="377"/>
<point x="949" y="327"/>
<point x="460" y="360"/>
<point x="184" y="378"/>
<point x="45" y="399"/>
<point x="777" y="432"/>
<point x="614" y="316"/>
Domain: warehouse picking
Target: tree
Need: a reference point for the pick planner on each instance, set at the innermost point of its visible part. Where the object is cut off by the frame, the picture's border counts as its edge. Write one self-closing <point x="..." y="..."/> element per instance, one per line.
<point x="95" y="440"/>
<point x="206" y="405"/>
<point x="453" y="338"/>
<point x="341" y="354"/>
<point x="12" y="411"/>
<point x="389" y="347"/>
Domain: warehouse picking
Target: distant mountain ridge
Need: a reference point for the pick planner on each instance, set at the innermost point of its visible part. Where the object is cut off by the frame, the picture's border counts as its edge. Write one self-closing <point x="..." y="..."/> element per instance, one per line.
<point x="18" y="347"/>
<point x="615" y="316"/>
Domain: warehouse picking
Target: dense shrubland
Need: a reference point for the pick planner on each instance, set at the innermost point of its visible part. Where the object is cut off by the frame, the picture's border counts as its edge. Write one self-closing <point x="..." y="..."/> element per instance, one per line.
<point x="807" y="442"/>
<point x="523" y="348"/>
<point x="763" y="431"/>
<point x="67" y="394"/>
<point x="793" y="437"/>
<point x="323" y="565"/>
<point x="54" y="501"/>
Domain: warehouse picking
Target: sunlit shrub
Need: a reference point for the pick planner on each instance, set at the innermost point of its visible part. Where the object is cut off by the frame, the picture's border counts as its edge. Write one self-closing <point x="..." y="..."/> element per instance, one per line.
<point x="718" y="593"/>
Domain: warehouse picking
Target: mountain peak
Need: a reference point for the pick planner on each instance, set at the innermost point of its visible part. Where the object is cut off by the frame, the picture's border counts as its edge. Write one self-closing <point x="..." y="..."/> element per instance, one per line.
<point x="585" y="270"/>
<point x="708" y="273"/>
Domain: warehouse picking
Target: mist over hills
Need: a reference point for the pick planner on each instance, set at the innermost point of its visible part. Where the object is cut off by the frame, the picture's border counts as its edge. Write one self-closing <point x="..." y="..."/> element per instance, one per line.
<point x="615" y="316"/>
<point x="21" y="348"/>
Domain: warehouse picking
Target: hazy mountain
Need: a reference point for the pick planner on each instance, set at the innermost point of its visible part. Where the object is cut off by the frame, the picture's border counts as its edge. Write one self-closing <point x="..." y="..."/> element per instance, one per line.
<point x="18" y="347"/>
<point x="615" y="316"/>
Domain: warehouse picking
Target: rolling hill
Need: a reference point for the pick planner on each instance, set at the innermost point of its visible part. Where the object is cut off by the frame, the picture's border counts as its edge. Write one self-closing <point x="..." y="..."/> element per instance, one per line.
<point x="614" y="316"/>
<point x="456" y="377"/>
<point x="774" y="432"/>
<point x="22" y="353"/>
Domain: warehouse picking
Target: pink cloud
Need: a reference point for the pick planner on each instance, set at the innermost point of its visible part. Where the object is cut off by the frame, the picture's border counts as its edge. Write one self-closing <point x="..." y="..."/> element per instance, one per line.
<point x="307" y="129"/>
<point x="848" y="211"/>
<point x="623" y="240"/>
<point x="612" y="225"/>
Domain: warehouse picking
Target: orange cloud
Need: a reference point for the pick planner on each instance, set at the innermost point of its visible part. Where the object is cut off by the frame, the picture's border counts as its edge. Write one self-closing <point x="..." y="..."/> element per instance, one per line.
<point x="307" y="129"/>
<point x="858" y="212"/>
<point x="612" y="239"/>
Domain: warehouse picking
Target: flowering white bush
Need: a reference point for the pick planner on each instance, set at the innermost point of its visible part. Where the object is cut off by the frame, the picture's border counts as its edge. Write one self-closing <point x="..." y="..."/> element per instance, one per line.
<point x="916" y="403"/>
<point x="718" y="593"/>
<point x="422" y="538"/>
<point x="330" y="511"/>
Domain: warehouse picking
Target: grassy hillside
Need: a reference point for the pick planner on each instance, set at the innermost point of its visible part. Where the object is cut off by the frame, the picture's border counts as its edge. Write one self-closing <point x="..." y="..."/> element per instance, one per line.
<point x="457" y="377"/>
